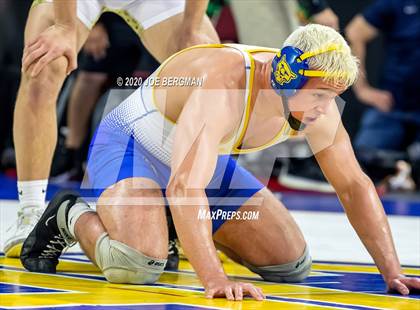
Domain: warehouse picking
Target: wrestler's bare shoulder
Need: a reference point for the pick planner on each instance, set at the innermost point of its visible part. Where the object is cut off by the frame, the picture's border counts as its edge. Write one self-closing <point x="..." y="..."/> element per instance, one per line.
<point x="218" y="67"/>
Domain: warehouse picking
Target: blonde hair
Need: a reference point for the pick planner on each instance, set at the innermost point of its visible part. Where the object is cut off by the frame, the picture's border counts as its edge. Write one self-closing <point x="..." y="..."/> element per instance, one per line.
<point x="340" y="66"/>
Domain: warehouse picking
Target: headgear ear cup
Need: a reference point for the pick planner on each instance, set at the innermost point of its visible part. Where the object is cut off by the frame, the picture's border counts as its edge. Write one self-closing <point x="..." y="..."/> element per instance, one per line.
<point x="286" y="68"/>
<point x="286" y="79"/>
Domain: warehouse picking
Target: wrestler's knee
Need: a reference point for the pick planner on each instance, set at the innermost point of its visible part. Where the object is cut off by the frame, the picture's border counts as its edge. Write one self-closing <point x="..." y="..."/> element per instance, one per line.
<point x="48" y="82"/>
<point x="295" y="271"/>
<point x="123" y="264"/>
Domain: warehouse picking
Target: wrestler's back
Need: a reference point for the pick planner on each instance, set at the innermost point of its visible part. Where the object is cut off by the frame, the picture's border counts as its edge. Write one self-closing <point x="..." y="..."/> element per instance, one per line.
<point x="216" y="68"/>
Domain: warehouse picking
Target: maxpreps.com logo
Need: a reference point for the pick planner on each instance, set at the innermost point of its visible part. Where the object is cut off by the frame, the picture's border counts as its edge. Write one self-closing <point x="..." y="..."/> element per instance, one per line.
<point x="283" y="73"/>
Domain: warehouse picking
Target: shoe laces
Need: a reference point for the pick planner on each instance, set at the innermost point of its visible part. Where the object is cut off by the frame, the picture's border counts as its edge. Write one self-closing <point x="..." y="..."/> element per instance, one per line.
<point x="172" y="248"/>
<point x="57" y="245"/>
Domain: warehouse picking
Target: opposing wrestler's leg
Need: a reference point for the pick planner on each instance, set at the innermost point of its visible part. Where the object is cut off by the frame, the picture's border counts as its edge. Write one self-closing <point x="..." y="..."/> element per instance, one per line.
<point x="272" y="245"/>
<point x="127" y="237"/>
<point x="35" y="120"/>
<point x="86" y="92"/>
<point x="35" y="127"/>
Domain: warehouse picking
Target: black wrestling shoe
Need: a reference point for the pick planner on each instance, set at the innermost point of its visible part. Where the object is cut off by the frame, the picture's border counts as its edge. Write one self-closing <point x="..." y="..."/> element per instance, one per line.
<point x="173" y="256"/>
<point x="46" y="242"/>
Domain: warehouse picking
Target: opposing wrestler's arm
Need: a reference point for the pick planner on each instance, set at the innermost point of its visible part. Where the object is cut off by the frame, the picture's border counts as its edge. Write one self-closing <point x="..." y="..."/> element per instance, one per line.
<point x="193" y="14"/>
<point x="191" y="32"/>
<point x="65" y="13"/>
<point x="58" y="40"/>
<point x="200" y="128"/>
<point x="359" y="198"/>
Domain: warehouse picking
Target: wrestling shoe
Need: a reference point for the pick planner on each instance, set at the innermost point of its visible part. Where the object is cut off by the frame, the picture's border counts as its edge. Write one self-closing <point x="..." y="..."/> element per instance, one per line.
<point x="173" y="252"/>
<point x="26" y="221"/>
<point x="173" y="257"/>
<point x="50" y="237"/>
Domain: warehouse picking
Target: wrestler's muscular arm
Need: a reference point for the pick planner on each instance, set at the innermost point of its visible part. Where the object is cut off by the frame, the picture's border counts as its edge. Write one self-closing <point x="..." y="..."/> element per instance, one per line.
<point x="360" y="200"/>
<point x="58" y="40"/>
<point x="201" y="126"/>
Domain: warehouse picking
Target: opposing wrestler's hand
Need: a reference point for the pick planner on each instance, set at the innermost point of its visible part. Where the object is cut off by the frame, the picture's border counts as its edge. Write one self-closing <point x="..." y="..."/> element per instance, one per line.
<point x="232" y="290"/>
<point x="380" y="99"/>
<point x="54" y="42"/>
<point x="97" y="42"/>
<point x="403" y="284"/>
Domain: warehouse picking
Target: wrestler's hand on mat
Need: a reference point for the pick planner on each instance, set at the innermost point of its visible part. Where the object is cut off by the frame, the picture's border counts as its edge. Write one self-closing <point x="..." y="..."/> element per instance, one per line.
<point x="232" y="290"/>
<point x="380" y="99"/>
<point x="403" y="284"/>
<point x="327" y="18"/>
<point x="97" y="42"/>
<point x="54" y="42"/>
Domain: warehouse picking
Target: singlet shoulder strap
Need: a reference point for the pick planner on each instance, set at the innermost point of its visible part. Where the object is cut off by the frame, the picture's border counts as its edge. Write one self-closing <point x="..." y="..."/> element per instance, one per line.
<point x="250" y="69"/>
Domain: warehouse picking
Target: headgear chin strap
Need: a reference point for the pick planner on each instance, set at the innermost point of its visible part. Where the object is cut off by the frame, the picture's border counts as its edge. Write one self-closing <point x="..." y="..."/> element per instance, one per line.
<point x="290" y="72"/>
<point x="294" y="123"/>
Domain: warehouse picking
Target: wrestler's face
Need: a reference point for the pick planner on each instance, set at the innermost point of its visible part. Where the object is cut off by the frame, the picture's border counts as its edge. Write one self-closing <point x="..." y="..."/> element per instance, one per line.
<point x="314" y="100"/>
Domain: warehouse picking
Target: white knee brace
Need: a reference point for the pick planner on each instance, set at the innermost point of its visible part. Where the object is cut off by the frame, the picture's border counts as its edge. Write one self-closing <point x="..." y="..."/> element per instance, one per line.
<point x="122" y="264"/>
<point x="296" y="271"/>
